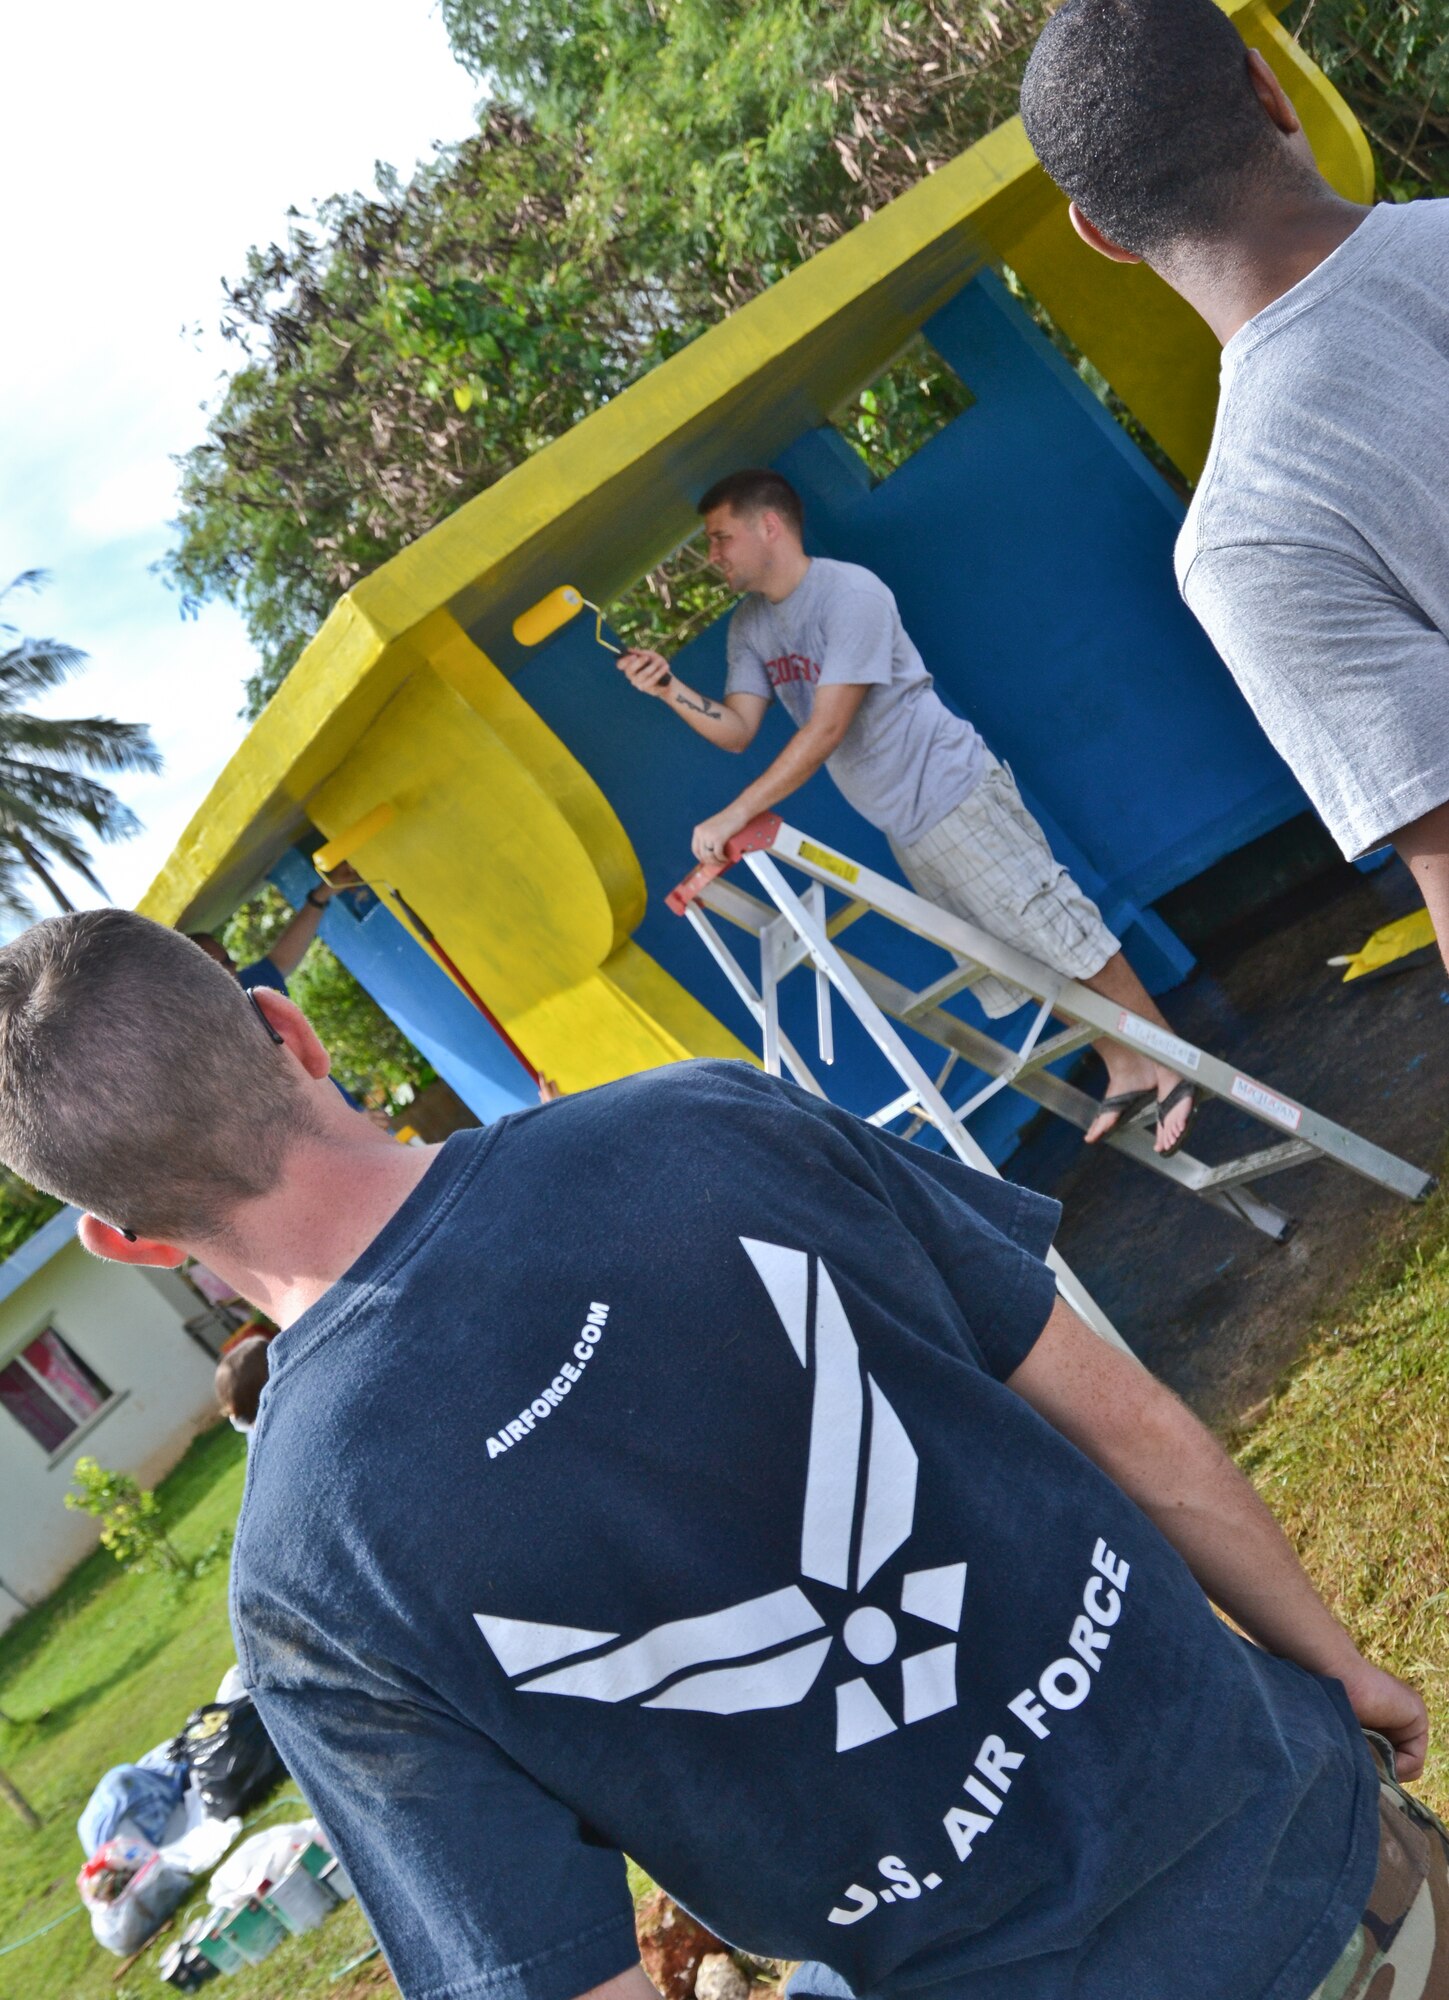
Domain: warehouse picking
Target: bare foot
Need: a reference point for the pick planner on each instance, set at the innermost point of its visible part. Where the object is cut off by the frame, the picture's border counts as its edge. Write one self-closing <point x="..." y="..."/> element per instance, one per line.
<point x="1171" y="1128"/>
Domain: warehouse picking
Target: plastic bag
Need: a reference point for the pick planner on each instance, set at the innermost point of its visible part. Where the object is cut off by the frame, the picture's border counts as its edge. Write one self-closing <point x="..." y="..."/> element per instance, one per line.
<point x="130" y="1890"/>
<point x="203" y="1845"/>
<point x="265" y="1857"/>
<point x="111" y="1869"/>
<point x="231" y="1756"/>
<point x="233" y="1687"/>
<point x="138" y="1795"/>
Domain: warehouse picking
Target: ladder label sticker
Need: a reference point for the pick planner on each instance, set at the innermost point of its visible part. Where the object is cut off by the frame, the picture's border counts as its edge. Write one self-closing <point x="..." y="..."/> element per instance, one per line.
<point x="823" y="858"/>
<point x="1147" y="1033"/>
<point x="1279" y="1109"/>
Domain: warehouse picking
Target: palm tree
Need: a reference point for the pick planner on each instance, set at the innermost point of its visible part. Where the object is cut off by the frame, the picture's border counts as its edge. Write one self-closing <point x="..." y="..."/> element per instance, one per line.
<point x="46" y="796"/>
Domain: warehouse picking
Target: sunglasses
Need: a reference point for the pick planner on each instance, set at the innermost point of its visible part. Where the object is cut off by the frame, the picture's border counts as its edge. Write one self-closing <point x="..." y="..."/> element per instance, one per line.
<point x="130" y="1234"/>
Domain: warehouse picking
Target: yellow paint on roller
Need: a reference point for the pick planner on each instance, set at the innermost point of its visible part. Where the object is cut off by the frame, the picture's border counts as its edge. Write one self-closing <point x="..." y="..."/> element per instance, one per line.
<point x="542" y="620"/>
<point x="347" y="843"/>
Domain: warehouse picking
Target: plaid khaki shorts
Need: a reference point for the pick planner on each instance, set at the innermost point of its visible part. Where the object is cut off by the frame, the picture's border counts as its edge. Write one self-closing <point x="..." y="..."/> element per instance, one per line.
<point x="988" y="861"/>
<point x="1401" y="1945"/>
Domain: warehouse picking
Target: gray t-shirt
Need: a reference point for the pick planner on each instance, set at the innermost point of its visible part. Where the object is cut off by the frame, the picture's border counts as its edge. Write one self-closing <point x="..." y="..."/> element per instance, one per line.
<point x="906" y="760"/>
<point x="1316" y="549"/>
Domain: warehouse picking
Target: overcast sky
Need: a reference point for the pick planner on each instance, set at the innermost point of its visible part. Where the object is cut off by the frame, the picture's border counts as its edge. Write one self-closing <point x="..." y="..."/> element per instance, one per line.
<point x="141" y="152"/>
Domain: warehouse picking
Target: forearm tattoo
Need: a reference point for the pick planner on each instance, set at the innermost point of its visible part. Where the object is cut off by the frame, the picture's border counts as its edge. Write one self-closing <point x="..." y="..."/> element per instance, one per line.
<point x="698" y="703"/>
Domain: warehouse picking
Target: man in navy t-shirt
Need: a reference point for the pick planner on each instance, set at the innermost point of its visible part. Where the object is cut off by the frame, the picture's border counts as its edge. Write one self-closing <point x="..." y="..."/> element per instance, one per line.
<point x="689" y="1470"/>
<point x="290" y="945"/>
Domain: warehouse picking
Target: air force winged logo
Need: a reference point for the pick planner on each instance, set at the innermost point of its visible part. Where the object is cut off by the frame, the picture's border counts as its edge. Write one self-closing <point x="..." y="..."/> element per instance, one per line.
<point x="769" y="1651"/>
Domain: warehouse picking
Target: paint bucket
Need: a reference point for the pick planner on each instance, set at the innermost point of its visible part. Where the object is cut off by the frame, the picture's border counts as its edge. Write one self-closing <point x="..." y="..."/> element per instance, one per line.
<point x="254" y="1931"/>
<point x="336" y="1878"/>
<point x="184" y="1967"/>
<point x="216" y="1949"/>
<point x="300" y="1899"/>
<point x="315" y="1858"/>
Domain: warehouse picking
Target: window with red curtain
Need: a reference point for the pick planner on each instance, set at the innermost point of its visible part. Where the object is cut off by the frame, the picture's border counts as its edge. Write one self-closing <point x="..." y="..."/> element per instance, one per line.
<point x="49" y="1390"/>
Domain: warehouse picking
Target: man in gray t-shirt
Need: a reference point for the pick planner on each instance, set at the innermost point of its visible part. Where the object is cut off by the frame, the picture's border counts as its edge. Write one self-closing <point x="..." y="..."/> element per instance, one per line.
<point x="825" y="639"/>
<point x="1316" y="550"/>
<point x="905" y="759"/>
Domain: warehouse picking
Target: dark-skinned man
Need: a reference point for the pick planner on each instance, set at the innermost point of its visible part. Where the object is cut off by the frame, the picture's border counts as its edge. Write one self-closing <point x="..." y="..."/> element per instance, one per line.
<point x="1316" y="550"/>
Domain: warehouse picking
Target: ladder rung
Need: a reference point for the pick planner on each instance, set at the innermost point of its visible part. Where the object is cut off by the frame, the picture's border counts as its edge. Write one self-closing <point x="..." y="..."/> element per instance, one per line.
<point x="1064" y="1044"/>
<point x="1088" y="1015"/>
<point x="1256" y="1166"/>
<point x="940" y="990"/>
<point x="907" y="1101"/>
<point x="843" y="919"/>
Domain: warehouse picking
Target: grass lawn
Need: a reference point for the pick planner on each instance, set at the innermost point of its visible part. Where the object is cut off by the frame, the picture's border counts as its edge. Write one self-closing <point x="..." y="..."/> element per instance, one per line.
<point x="1351" y="1455"/>
<point x="1353" y="1458"/>
<point x="107" y="1667"/>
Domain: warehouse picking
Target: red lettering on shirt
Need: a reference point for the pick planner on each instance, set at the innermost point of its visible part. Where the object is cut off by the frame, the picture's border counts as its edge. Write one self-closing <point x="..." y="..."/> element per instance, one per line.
<point x="792" y="667"/>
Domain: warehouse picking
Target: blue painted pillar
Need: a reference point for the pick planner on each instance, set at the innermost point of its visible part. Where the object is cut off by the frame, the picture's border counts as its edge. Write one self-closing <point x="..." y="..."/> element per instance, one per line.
<point x="414" y="991"/>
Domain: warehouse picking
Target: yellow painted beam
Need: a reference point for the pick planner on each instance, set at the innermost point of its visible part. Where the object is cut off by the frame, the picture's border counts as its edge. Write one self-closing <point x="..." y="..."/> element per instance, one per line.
<point x="458" y="803"/>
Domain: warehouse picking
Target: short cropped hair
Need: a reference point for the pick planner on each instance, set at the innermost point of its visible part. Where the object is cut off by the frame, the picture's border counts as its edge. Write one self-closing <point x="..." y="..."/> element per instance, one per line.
<point x="135" y="1078"/>
<point x="1143" y="113"/>
<point x="753" y="491"/>
<point x="241" y="1376"/>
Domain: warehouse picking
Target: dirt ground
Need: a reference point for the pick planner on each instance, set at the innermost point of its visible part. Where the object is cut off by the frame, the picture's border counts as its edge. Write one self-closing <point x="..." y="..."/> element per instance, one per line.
<point x="1215" y="1308"/>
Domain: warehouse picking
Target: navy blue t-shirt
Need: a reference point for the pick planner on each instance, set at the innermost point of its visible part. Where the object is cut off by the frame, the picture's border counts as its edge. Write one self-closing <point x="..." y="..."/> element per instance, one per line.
<point x="261" y="973"/>
<point x="650" y="1485"/>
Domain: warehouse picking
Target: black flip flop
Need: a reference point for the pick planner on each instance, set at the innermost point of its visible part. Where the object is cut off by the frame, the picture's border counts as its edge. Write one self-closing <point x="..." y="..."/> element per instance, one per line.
<point x="1173" y="1098"/>
<point x="1126" y="1104"/>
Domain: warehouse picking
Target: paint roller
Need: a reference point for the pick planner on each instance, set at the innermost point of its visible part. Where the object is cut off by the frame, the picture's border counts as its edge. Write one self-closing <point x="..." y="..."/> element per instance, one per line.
<point x="345" y="845"/>
<point x="560" y="608"/>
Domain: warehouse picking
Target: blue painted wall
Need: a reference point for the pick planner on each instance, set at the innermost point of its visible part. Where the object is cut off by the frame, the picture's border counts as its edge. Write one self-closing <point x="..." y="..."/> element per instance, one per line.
<point x="1030" y="548"/>
<point x="1029" y="544"/>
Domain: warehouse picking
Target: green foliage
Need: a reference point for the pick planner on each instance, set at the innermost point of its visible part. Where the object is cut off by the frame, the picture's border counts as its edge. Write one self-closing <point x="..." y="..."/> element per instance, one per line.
<point x="23" y="1210"/>
<point x="903" y="409"/>
<point x="528" y="343"/>
<point x="644" y="167"/>
<point x="740" y="135"/>
<point x="1390" y="59"/>
<point x="45" y="792"/>
<point x="399" y="354"/>
<point x="109" y="1665"/>
<point x="130" y="1518"/>
<point x="370" y="1055"/>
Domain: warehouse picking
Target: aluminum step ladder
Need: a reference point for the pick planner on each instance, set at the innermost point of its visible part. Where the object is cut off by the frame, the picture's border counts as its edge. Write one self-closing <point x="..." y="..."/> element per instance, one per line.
<point x="796" y="929"/>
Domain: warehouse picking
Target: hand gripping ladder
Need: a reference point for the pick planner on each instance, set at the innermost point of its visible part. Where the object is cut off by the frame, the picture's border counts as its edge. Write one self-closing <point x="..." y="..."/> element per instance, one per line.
<point x="795" y="929"/>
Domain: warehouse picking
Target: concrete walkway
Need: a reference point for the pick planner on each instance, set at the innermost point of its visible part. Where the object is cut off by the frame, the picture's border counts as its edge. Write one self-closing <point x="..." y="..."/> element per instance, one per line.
<point x="1213" y="1307"/>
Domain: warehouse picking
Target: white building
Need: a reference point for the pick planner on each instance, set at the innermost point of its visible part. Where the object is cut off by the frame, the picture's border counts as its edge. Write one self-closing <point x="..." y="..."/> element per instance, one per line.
<point x="95" y="1359"/>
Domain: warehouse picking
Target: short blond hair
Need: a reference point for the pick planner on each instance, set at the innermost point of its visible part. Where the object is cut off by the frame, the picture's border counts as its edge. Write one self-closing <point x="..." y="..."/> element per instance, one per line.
<point x="135" y="1078"/>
